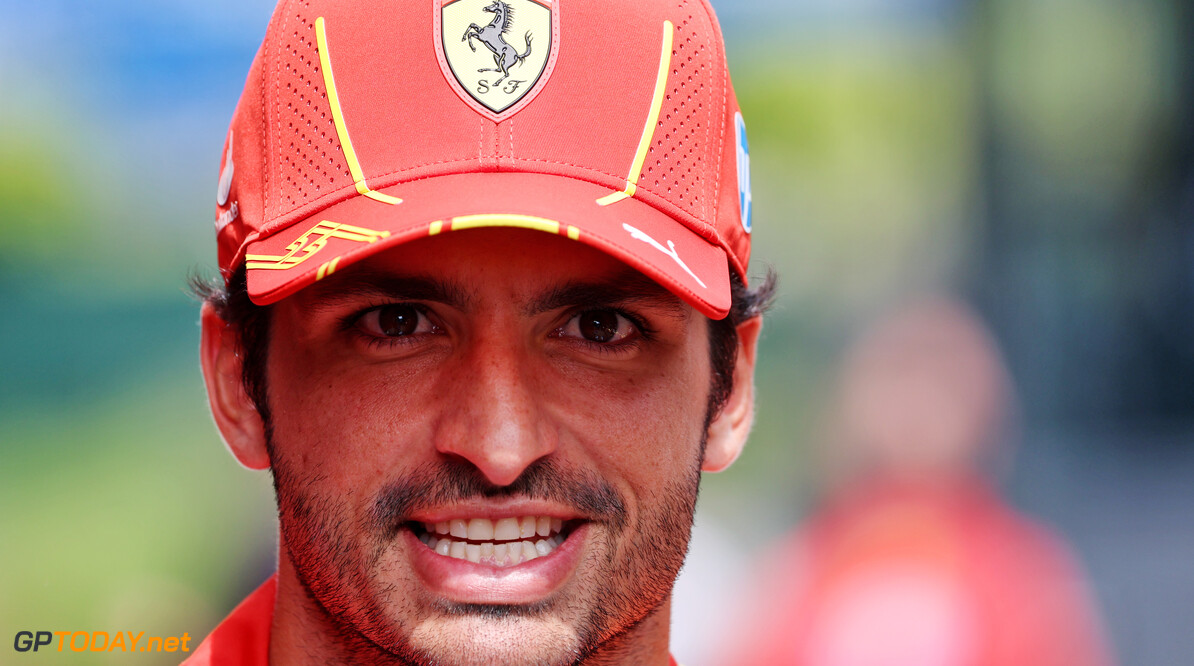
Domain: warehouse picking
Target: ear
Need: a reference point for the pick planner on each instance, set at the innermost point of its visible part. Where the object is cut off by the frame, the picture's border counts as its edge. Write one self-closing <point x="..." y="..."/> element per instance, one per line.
<point x="731" y="427"/>
<point x="235" y="415"/>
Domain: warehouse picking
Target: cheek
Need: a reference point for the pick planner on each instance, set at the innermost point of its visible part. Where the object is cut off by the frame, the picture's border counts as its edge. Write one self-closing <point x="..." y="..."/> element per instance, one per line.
<point x="349" y="423"/>
<point x="648" y="425"/>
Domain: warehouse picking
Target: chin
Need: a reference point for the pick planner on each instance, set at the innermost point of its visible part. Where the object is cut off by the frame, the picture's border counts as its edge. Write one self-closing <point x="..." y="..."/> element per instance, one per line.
<point x="477" y="640"/>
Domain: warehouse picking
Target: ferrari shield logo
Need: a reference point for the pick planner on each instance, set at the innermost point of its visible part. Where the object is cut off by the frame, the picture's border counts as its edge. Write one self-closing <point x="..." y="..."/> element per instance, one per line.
<point x="497" y="51"/>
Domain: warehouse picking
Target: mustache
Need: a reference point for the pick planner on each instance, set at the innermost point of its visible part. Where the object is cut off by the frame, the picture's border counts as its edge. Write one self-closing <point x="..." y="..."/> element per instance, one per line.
<point x="453" y="481"/>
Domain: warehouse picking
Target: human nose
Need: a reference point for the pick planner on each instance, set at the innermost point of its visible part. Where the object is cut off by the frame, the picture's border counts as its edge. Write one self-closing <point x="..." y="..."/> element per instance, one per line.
<point x="494" y="422"/>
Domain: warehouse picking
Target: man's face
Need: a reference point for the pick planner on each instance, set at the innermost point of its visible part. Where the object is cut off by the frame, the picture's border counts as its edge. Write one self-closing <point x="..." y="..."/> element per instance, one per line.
<point x="475" y="383"/>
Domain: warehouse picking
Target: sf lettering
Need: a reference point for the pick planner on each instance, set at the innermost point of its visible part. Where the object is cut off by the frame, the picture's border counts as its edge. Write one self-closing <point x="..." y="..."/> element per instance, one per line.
<point x="483" y="86"/>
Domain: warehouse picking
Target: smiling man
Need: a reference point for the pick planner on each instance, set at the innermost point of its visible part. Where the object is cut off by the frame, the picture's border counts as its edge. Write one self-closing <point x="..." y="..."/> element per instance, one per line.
<point x="484" y="317"/>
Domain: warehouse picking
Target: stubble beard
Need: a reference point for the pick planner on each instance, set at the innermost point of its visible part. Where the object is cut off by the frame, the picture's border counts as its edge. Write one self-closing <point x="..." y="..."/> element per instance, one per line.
<point x="337" y="553"/>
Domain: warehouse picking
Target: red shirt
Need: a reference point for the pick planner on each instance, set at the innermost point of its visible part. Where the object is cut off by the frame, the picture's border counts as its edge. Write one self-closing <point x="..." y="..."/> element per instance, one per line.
<point x="908" y="574"/>
<point x="242" y="639"/>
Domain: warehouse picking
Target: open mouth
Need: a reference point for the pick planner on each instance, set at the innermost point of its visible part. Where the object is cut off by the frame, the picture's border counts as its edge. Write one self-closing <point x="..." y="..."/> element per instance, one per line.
<point x="505" y="542"/>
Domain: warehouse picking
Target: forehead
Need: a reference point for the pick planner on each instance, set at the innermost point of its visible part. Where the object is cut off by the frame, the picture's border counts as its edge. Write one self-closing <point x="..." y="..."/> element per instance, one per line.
<point x="468" y="267"/>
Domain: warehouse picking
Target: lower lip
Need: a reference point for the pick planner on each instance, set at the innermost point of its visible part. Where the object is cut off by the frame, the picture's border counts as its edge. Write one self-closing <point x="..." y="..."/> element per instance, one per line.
<point x="462" y="581"/>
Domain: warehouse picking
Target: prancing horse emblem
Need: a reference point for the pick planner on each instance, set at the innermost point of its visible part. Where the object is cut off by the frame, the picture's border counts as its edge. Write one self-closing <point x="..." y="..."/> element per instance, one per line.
<point x="492" y="36"/>
<point x="502" y="77"/>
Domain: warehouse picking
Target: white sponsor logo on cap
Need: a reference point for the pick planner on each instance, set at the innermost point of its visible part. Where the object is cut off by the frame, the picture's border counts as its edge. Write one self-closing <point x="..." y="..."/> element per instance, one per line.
<point x="744" y="199"/>
<point x="670" y="250"/>
<point x="225" y="176"/>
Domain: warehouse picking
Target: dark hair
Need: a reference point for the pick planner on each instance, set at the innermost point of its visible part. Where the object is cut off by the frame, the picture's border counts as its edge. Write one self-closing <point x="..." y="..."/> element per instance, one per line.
<point x="251" y="324"/>
<point x="745" y="304"/>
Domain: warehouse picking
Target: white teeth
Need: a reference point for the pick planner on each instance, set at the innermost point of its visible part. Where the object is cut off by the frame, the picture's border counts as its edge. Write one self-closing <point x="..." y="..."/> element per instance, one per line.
<point x="506" y="529"/>
<point x="503" y="543"/>
<point x="480" y="529"/>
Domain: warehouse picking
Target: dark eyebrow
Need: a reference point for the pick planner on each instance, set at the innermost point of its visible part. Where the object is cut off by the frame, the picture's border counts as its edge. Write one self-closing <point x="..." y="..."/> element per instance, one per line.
<point x="626" y="287"/>
<point x="363" y="283"/>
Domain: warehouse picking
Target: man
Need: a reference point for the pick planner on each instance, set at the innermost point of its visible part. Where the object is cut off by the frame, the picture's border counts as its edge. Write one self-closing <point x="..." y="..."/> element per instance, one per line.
<point x="912" y="556"/>
<point x="484" y="318"/>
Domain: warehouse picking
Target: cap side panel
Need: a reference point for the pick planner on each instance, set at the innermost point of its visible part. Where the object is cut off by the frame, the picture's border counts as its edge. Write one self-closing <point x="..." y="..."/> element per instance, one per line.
<point x="273" y="102"/>
<point x="640" y="155"/>
<point x="676" y="172"/>
<point x="726" y="214"/>
<point x="590" y="115"/>
<point x="240" y="207"/>
<point x="717" y="149"/>
<point x="400" y="112"/>
<point x="333" y="97"/>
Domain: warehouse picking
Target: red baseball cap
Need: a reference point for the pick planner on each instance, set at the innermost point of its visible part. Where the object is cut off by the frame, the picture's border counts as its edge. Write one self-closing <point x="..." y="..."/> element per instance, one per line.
<point x="368" y="123"/>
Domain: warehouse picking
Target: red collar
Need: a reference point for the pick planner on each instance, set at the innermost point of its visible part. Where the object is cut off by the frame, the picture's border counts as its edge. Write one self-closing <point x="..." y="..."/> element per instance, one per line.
<point x="242" y="639"/>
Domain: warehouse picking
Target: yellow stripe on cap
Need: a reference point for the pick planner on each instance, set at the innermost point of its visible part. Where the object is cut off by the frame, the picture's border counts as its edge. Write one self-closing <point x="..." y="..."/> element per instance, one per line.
<point x="520" y="221"/>
<point x="644" y="143"/>
<point x="327" y="269"/>
<point x="350" y="155"/>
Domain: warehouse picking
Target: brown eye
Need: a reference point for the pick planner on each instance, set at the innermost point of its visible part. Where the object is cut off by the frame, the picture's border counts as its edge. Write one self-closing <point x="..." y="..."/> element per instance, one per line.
<point x="598" y="325"/>
<point x="398" y="320"/>
<point x="602" y="326"/>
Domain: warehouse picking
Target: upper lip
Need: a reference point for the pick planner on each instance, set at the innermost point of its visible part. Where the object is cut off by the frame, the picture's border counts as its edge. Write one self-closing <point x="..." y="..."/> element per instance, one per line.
<point x="494" y="510"/>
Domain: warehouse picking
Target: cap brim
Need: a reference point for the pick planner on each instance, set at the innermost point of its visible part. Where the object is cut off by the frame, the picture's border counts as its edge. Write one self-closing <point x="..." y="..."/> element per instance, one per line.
<point x="633" y="232"/>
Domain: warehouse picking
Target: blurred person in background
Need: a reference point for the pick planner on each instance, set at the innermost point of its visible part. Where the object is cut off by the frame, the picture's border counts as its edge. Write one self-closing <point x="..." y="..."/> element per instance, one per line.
<point x="913" y="559"/>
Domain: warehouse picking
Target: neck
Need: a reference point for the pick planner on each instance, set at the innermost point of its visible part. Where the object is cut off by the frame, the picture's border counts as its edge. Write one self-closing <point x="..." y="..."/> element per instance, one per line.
<point x="303" y="633"/>
<point x="646" y="644"/>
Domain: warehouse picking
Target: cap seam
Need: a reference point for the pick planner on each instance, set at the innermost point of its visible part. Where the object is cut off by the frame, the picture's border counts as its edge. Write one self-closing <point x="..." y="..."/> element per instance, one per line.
<point x="719" y="59"/>
<point x="480" y="143"/>
<point x="265" y="152"/>
<point x="285" y="9"/>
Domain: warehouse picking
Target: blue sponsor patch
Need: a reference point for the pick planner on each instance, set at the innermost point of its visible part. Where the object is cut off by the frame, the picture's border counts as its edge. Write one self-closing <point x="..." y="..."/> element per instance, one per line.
<point x="744" y="201"/>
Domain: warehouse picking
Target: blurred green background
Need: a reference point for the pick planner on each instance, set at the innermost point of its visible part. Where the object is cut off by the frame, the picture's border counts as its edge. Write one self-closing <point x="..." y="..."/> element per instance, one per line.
<point x="1035" y="157"/>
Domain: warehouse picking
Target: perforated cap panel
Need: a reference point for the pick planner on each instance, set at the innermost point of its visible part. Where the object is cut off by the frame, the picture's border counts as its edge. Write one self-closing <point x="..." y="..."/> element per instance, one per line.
<point x="682" y="137"/>
<point x="674" y="168"/>
<point x="310" y="162"/>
